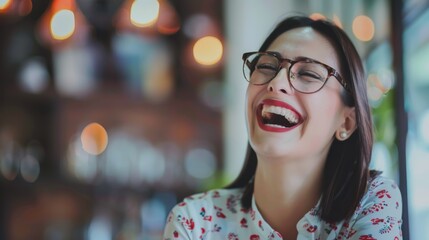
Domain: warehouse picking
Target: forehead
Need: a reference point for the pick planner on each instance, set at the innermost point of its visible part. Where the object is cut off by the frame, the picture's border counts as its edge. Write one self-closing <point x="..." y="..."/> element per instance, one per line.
<point x="305" y="42"/>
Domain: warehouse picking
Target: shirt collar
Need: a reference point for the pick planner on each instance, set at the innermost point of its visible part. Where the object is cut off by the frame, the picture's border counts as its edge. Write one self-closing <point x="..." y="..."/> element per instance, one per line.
<point x="263" y="228"/>
<point x="308" y="226"/>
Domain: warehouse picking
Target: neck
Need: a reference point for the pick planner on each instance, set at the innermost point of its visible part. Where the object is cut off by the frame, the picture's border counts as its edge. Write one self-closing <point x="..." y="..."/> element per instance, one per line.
<point x="294" y="188"/>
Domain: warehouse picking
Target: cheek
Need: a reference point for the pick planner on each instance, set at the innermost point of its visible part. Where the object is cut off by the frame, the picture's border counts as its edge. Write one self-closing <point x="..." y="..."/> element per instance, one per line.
<point x="248" y="105"/>
<point x="251" y="96"/>
<point x="325" y="114"/>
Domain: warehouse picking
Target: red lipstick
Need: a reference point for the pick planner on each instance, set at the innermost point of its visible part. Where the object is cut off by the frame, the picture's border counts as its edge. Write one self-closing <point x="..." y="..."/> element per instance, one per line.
<point x="276" y="128"/>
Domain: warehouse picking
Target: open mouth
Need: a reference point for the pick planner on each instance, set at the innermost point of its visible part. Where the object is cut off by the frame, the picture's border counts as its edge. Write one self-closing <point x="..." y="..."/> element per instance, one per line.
<point x="277" y="116"/>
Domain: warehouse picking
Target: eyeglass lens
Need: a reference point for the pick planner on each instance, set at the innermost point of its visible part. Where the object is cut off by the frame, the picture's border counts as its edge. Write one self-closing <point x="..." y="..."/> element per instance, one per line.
<point x="260" y="68"/>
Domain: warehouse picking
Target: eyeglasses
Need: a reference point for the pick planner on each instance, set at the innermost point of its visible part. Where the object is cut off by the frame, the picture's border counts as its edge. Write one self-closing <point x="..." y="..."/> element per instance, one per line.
<point x="304" y="74"/>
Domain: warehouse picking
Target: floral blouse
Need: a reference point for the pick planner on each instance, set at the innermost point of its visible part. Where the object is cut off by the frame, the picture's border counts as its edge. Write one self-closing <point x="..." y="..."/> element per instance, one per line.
<point x="218" y="214"/>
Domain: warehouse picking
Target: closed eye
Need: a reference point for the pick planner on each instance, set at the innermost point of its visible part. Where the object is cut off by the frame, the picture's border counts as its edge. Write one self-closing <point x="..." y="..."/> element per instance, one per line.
<point x="309" y="76"/>
<point x="266" y="67"/>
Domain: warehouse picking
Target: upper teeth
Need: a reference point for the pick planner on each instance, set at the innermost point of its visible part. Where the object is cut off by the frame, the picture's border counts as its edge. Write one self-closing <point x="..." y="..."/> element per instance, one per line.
<point x="287" y="113"/>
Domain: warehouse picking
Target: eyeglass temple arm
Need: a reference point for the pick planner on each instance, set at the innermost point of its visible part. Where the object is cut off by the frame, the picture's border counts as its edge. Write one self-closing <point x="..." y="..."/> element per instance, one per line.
<point x="340" y="79"/>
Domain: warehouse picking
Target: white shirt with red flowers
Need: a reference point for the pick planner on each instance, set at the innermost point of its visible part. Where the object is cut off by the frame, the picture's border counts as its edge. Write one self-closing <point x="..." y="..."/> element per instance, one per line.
<point x="218" y="214"/>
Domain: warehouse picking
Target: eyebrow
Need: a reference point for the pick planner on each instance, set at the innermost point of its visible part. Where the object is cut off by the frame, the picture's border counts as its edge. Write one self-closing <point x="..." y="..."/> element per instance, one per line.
<point x="298" y="58"/>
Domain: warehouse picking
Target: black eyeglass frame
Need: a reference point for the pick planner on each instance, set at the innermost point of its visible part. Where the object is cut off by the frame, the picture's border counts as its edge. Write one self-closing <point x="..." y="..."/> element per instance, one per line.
<point x="277" y="55"/>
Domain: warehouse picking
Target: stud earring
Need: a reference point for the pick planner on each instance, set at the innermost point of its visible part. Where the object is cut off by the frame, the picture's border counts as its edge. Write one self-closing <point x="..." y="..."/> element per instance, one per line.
<point x="343" y="135"/>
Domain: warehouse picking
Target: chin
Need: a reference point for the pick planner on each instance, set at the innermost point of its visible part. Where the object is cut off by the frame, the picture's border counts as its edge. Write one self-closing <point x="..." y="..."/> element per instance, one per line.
<point x="268" y="149"/>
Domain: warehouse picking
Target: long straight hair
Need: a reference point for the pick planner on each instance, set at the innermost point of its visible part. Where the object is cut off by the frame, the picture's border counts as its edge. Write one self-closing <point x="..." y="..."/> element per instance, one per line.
<point x="346" y="172"/>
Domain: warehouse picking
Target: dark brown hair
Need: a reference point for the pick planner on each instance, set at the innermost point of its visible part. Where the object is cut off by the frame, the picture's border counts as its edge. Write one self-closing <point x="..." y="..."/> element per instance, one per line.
<point x="346" y="172"/>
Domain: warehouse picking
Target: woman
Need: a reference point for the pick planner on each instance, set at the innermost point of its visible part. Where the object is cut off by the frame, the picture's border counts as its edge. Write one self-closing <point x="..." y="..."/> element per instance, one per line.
<point x="306" y="172"/>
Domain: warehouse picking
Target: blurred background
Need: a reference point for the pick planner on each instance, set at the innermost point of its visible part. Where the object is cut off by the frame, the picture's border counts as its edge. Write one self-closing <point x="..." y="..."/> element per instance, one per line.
<point x="112" y="111"/>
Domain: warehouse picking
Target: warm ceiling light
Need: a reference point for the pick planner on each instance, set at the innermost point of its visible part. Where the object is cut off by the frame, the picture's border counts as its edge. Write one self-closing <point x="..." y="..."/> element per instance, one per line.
<point x="144" y="13"/>
<point x="4" y="4"/>
<point x="18" y="8"/>
<point x="208" y="50"/>
<point x="94" y="139"/>
<point x="363" y="28"/>
<point x="62" y="24"/>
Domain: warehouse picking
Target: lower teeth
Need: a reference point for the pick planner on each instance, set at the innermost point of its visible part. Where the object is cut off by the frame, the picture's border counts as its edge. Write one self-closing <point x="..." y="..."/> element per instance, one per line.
<point x="275" y="125"/>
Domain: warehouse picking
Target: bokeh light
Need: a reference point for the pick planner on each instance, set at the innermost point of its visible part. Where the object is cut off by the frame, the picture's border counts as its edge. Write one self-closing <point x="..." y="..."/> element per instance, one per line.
<point x="317" y="16"/>
<point x="30" y="168"/>
<point x="81" y="164"/>
<point x="8" y="166"/>
<point x="63" y="24"/>
<point x="144" y="13"/>
<point x="363" y="28"/>
<point x="4" y="4"/>
<point x="94" y="139"/>
<point x="34" y="76"/>
<point x="200" y="163"/>
<point x="379" y="84"/>
<point x="208" y="50"/>
<point x="375" y="89"/>
<point x="154" y="210"/>
<point x="150" y="165"/>
<point x="158" y="83"/>
<point x="100" y="227"/>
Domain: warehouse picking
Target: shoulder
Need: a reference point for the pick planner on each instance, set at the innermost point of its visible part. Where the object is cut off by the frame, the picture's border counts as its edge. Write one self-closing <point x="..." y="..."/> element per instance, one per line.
<point x="379" y="213"/>
<point x="383" y="189"/>
<point x="382" y="193"/>
<point x="203" y="211"/>
<point x="215" y="214"/>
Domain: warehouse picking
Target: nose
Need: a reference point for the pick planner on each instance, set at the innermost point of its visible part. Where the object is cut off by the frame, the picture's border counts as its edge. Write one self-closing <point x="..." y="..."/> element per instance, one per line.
<point x="280" y="83"/>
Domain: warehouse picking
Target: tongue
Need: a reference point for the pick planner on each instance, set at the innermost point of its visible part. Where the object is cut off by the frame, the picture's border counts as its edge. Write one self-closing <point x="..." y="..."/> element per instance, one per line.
<point x="275" y="119"/>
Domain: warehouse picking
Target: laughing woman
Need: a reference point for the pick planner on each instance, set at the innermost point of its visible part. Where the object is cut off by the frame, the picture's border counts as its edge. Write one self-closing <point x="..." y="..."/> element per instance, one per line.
<point x="306" y="173"/>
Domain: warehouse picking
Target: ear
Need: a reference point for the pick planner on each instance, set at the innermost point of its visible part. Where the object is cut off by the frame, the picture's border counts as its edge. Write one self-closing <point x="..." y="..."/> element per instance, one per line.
<point x="348" y="126"/>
